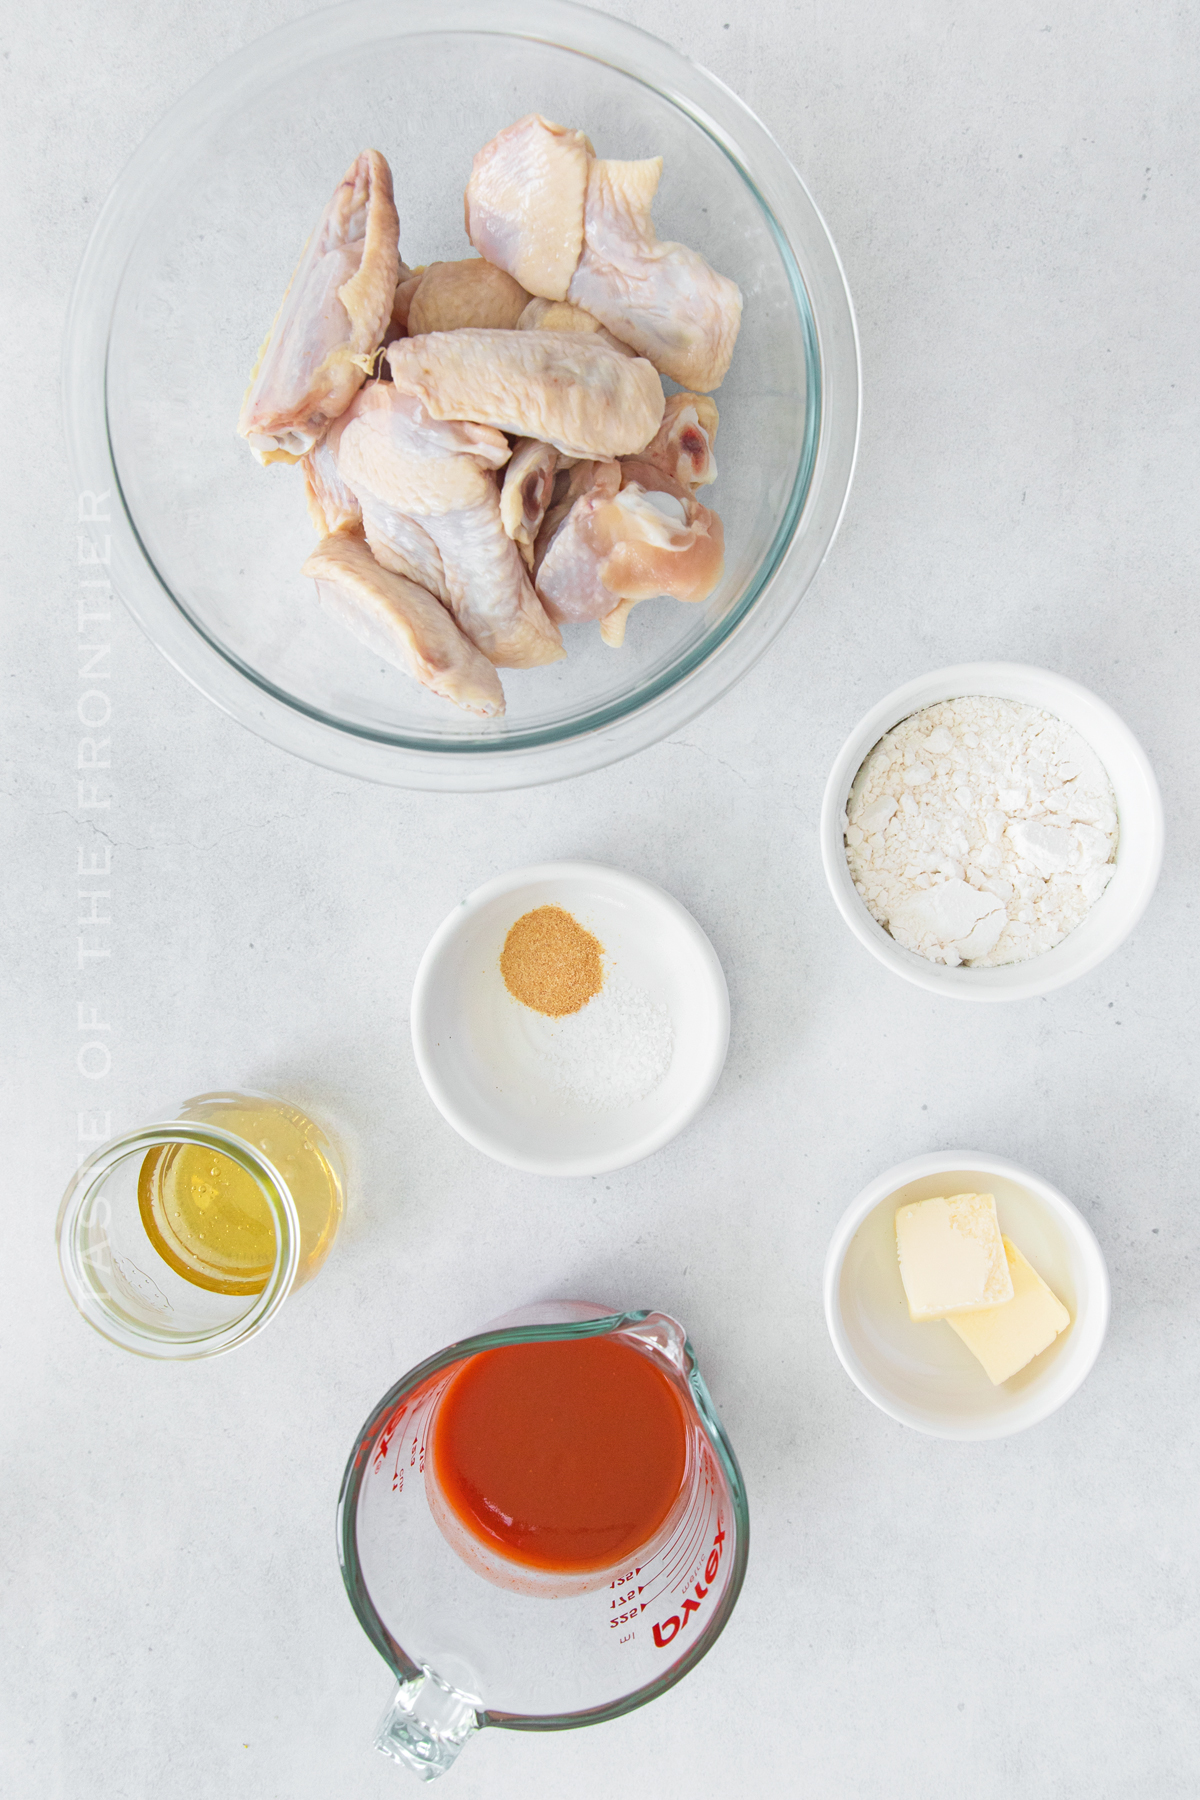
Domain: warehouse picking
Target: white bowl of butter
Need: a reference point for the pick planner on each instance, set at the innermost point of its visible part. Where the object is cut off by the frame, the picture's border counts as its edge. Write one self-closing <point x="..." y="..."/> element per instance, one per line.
<point x="922" y="1372"/>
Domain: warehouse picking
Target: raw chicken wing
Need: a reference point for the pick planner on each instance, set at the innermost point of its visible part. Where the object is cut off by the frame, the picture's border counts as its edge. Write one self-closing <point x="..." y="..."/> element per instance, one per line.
<point x="440" y="473"/>
<point x="569" y="575"/>
<point x="560" y="315"/>
<point x="524" y="203"/>
<point x="452" y="295"/>
<point x="566" y="388"/>
<point x="525" y="495"/>
<point x="403" y="623"/>
<point x="397" y="543"/>
<point x="410" y="280"/>
<point x="490" y="591"/>
<point x="319" y="350"/>
<point x="613" y="548"/>
<point x="384" y="423"/>
<point x="402" y="545"/>
<point x="570" y="484"/>
<point x="686" y="562"/>
<point x="682" y="447"/>
<point x="331" y="505"/>
<point x="537" y="184"/>
<point x="661" y="298"/>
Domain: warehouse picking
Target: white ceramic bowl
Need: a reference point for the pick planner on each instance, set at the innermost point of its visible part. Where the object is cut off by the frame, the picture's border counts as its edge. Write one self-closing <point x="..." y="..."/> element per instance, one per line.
<point x="924" y="1375"/>
<point x="481" y="1053"/>
<point x="1139" y="849"/>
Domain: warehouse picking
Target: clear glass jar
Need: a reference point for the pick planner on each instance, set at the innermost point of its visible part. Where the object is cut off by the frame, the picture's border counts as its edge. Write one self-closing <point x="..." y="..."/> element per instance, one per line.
<point x="182" y="1239"/>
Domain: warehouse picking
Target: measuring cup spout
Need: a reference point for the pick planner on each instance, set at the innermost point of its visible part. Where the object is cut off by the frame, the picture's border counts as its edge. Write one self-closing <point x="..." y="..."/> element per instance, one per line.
<point x="665" y="1336"/>
<point x="426" y="1725"/>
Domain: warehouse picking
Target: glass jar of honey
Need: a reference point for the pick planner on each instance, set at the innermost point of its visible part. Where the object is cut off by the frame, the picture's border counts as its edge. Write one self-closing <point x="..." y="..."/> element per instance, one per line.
<point x="182" y="1239"/>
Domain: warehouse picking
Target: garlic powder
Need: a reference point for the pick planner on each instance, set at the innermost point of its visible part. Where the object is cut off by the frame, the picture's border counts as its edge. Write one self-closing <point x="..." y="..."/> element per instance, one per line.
<point x="981" y="831"/>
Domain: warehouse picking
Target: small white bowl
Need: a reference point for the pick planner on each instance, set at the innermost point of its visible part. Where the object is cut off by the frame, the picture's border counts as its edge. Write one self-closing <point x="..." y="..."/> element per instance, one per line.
<point x="924" y="1375"/>
<point x="478" y="1049"/>
<point x="1139" y="847"/>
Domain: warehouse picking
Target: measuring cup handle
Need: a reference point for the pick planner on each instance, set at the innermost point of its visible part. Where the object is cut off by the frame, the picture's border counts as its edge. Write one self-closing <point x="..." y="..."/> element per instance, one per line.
<point x="426" y="1725"/>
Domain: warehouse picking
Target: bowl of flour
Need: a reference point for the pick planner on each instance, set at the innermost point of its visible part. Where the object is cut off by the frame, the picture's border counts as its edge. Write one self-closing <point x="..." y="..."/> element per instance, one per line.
<point x="991" y="831"/>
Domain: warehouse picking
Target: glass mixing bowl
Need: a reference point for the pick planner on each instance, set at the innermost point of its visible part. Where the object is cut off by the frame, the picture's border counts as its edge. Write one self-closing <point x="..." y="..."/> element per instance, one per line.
<point x="186" y="268"/>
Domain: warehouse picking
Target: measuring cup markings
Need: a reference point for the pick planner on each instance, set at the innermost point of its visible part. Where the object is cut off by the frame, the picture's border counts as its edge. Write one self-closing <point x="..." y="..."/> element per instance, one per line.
<point x="692" y="1587"/>
<point x="622" y="1599"/>
<point x="684" y="1550"/>
<point x="420" y="1449"/>
<point x="681" y="1531"/>
<point x="664" y="1636"/>
<point x="684" y="1542"/>
<point x="383" y="1445"/>
<point x="384" y="1441"/>
<point x="665" y="1580"/>
<point x="418" y="1411"/>
<point x="688" y="1570"/>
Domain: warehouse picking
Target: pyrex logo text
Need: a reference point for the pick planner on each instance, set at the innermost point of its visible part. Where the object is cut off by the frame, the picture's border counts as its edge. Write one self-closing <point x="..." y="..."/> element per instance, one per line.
<point x="670" y="1628"/>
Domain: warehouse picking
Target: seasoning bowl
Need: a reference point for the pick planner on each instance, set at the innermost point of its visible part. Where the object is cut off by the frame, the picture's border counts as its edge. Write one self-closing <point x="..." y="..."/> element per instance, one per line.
<point x="1139" y="846"/>
<point x="488" y="1061"/>
<point x="923" y="1374"/>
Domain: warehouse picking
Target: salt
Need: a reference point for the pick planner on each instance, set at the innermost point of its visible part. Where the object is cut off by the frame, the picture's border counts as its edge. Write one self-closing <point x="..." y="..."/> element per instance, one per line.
<point x="613" y="1051"/>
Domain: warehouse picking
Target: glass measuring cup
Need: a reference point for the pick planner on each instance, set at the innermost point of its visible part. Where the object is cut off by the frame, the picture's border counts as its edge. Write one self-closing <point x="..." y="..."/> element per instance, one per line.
<point x="142" y="1285"/>
<point x="472" y="1647"/>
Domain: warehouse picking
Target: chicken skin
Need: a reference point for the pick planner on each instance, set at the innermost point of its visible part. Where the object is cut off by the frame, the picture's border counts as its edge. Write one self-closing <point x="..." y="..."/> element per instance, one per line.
<point x="560" y="315"/>
<point x="453" y="295"/>
<point x="682" y="446"/>
<point x="529" y="211"/>
<point x="331" y="505"/>
<point x="397" y="543"/>
<point x="397" y="326"/>
<point x="526" y="493"/>
<point x="661" y="298"/>
<point x="399" y="460"/>
<point x="403" y="623"/>
<point x="569" y="569"/>
<point x="570" y="484"/>
<point x="667" y="543"/>
<point x="384" y="419"/>
<point x="625" y="532"/>
<point x="565" y="388"/>
<point x="335" y="312"/>
<point x="402" y="545"/>
<point x="524" y="203"/>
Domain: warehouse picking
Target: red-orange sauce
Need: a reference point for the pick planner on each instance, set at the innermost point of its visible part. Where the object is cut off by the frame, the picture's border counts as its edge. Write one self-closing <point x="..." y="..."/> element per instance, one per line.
<point x="564" y="1456"/>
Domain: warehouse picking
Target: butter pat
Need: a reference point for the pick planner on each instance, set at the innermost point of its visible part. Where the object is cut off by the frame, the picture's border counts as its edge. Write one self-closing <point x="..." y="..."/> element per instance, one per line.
<point x="1005" y="1338"/>
<point x="951" y="1255"/>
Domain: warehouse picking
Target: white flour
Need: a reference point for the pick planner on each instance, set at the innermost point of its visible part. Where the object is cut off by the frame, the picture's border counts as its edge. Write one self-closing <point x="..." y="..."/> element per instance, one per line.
<point x="981" y="831"/>
<point x="614" y="1050"/>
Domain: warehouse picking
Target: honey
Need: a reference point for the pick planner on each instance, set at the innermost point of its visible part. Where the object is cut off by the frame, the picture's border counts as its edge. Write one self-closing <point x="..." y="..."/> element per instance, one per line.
<point x="209" y="1218"/>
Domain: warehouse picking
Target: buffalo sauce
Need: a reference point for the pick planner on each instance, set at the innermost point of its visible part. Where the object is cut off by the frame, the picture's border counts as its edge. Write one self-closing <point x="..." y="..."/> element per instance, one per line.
<point x="565" y="1456"/>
